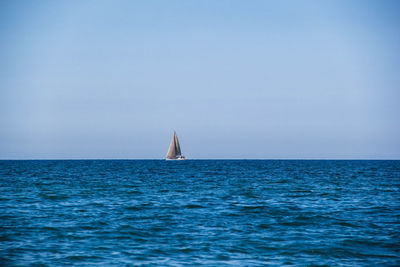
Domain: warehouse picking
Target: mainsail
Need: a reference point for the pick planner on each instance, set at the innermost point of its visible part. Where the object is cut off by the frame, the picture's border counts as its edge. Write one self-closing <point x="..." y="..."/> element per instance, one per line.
<point x="174" y="151"/>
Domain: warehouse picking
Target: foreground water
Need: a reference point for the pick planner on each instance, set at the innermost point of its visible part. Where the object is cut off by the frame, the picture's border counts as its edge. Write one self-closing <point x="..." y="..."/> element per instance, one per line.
<point x="215" y="212"/>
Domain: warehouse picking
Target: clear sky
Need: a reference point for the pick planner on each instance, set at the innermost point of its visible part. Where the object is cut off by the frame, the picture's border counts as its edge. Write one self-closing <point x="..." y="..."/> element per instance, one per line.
<point x="235" y="79"/>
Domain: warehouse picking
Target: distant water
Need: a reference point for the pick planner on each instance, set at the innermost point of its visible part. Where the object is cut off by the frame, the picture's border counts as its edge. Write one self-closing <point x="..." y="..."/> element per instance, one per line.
<point x="204" y="212"/>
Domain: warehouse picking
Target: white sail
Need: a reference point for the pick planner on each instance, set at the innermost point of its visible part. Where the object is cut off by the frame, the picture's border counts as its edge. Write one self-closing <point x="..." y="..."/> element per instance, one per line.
<point x="174" y="151"/>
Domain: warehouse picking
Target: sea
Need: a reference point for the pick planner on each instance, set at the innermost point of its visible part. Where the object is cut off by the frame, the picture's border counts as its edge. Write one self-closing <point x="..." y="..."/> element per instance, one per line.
<point x="199" y="213"/>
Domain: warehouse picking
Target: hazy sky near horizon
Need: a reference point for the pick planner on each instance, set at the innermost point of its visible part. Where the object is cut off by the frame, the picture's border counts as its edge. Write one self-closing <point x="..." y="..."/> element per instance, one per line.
<point x="235" y="79"/>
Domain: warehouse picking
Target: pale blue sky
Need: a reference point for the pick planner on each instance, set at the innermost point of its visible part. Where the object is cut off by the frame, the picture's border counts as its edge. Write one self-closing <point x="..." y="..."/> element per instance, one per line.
<point x="235" y="79"/>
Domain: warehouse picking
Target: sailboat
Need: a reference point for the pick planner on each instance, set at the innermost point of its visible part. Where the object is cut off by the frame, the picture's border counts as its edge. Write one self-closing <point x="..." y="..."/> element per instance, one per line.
<point x="174" y="151"/>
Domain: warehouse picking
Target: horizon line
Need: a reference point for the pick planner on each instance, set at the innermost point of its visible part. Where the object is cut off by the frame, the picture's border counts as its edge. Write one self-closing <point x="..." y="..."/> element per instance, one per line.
<point x="22" y="159"/>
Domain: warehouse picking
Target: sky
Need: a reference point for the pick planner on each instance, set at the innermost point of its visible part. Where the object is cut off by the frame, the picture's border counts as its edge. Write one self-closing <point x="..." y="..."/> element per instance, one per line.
<point x="235" y="79"/>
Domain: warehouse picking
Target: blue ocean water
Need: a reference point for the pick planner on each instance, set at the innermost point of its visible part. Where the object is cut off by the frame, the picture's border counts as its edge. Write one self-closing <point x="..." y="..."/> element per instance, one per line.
<point x="199" y="212"/>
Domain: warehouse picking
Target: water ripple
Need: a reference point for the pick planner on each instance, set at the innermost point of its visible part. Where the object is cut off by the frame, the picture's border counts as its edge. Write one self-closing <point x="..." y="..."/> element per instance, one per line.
<point x="273" y="212"/>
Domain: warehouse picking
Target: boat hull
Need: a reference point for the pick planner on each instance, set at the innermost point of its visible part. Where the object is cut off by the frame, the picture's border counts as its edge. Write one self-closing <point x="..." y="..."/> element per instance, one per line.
<point x="182" y="158"/>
